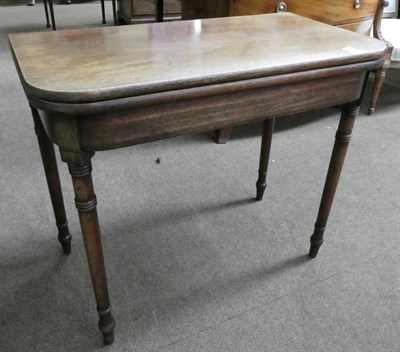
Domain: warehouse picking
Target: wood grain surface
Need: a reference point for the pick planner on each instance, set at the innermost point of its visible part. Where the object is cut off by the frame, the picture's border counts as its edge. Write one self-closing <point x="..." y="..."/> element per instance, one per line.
<point x="89" y="65"/>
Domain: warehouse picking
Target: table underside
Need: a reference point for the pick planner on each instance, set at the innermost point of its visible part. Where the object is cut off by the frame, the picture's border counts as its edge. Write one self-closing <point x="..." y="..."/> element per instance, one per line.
<point x="129" y="121"/>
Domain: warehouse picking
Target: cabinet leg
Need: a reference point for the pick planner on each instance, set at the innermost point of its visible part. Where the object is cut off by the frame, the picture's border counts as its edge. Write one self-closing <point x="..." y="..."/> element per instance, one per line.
<point x="159" y="10"/>
<point x="222" y="135"/>
<point x="85" y="201"/>
<point x="378" y="82"/>
<point x="53" y="21"/>
<point x="268" y="130"/>
<point x="114" y="9"/>
<point x="46" y="11"/>
<point x="53" y="182"/>
<point x="343" y="136"/>
<point x="103" y="12"/>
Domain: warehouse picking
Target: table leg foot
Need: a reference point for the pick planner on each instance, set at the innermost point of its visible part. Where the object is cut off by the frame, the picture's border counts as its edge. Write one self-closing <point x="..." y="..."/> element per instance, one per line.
<point x="316" y="240"/>
<point x="261" y="184"/>
<point x="107" y="325"/>
<point x="108" y="338"/>
<point x="266" y="140"/>
<point x="64" y="237"/>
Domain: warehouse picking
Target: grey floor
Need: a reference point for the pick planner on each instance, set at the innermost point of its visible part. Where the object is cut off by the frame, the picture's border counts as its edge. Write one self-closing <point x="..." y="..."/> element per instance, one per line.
<point x="194" y="264"/>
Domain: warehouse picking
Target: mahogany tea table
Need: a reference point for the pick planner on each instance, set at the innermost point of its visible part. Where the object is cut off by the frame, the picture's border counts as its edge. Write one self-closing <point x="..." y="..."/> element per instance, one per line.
<point x="116" y="87"/>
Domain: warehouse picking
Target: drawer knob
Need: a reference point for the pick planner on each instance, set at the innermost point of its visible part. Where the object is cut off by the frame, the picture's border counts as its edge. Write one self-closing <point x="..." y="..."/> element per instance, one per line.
<point x="282" y="7"/>
<point x="357" y="4"/>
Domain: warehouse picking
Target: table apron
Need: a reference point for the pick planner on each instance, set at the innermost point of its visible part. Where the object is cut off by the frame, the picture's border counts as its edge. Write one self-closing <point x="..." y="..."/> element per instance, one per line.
<point x="123" y="127"/>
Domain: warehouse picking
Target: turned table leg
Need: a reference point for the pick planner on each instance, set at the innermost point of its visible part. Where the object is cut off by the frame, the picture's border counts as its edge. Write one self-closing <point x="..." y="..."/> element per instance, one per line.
<point x="268" y="130"/>
<point x="53" y="182"/>
<point x="343" y="136"/>
<point x="85" y="201"/>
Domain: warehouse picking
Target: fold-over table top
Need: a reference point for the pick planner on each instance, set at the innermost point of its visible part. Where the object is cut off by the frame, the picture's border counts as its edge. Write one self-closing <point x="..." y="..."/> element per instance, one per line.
<point x="97" y="64"/>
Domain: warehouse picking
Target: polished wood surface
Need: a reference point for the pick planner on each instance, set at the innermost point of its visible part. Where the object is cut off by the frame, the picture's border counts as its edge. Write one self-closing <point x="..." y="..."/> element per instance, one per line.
<point x="116" y="87"/>
<point x="355" y="15"/>
<point x="102" y="63"/>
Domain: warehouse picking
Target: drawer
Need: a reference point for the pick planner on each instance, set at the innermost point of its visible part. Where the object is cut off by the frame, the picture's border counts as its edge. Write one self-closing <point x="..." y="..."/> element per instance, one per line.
<point x="338" y="13"/>
<point x="363" y="27"/>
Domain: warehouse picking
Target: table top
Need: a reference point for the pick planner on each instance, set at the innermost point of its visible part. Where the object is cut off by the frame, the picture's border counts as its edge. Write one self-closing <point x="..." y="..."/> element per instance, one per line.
<point x="98" y="64"/>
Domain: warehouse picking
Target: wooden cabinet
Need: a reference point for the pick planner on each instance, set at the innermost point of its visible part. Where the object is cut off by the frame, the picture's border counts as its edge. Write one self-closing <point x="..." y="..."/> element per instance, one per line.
<point x="356" y="15"/>
<point x="193" y="9"/>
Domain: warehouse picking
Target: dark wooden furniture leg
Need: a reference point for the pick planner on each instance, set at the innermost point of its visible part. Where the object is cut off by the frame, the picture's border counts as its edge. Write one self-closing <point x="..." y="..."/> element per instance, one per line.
<point x="268" y="130"/>
<point x="53" y="21"/>
<point x="46" y="11"/>
<point x="222" y="135"/>
<point x="378" y="81"/>
<point x="343" y="136"/>
<point x="103" y="12"/>
<point x="159" y="10"/>
<point x="114" y="9"/>
<point x="53" y="182"/>
<point x="85" y="200"/>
